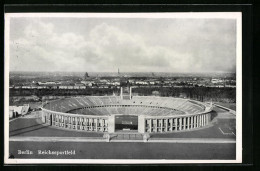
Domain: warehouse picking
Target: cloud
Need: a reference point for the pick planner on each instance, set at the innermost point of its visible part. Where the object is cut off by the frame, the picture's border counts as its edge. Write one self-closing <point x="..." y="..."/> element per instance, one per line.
<point x="106" y="47"/>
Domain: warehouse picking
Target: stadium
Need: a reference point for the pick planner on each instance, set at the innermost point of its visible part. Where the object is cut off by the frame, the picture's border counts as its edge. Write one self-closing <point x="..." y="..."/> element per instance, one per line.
<point x="127" y="113"/>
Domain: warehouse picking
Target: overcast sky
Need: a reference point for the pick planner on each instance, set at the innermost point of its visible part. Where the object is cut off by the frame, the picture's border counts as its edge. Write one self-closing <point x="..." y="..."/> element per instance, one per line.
<point x="133" y="45"/>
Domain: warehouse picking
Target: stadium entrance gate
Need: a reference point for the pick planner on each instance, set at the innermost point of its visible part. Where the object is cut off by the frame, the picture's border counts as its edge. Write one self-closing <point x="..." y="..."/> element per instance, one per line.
<point x="126" y="123"/>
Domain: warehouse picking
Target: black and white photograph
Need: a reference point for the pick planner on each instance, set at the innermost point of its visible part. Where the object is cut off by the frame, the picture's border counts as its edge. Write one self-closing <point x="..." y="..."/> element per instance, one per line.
<point x="133" y="88"/>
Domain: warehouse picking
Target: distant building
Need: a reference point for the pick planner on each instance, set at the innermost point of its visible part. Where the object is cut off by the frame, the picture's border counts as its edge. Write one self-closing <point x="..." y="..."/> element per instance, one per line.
<point x="142" y="82"/>
<point x="231" y="86"/>
<point x="87" y="83"/>
<point x="214" y="80"/>
<point x="49" y="83"/>
<point x="116" y="83"/>
<point x="15" y="111"/>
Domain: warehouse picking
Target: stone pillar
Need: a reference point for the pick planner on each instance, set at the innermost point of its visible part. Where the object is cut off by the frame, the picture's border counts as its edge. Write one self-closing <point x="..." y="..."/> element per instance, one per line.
<point x="76" y="121"/>
<point x="184" y="123"/>
<point x="83" y="123"/>
<point x="68" y="122"/>
<point x="92" y="125"/>
<point x="161" y="120"/>
<point x="191" y="125"/>
<point x="188" y="127"/>
<point x="150" y="125"/>
<point x="53" y="119"/>
<point x="97" y="124"/>
<point x="65" y="120"/>
<point x="195" y="121"/>
<point x="156" y="125"/>
<point x="62" y="119"/>
<point x="49" y="118"/>
<point x="171" y="120"/>
<point x="102" y="125"/>
<point x="80" y="123"/>
<point x="106" y="124"/>
<point x="56" y="119"/>
<point x="71" y="123"/>
<point x="111" y="124"/>
<point x="59" y="120"/>
<point x="198" y="121"/>
<point x="89" y="124"/>
<point x="180" y="127"/>
<point x="176" y="124"/>
<point x="166" y="125"/>
<point x="203" y="120"/>
<point x="141" y="124"/>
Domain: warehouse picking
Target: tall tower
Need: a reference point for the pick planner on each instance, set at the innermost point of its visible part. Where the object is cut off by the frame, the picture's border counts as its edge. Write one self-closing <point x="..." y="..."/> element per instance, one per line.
<point x="118" y="71"/>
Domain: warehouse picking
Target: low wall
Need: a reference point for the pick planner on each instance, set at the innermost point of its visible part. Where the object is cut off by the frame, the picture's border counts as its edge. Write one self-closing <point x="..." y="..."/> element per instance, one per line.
<point x="225" y="108"/>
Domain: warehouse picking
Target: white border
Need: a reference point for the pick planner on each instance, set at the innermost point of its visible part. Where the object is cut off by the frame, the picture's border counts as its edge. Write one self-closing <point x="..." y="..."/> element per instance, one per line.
<point x="222" y="15"/>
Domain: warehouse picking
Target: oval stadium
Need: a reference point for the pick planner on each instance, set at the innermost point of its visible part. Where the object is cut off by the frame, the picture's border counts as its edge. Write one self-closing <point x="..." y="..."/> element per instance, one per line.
<point x="127" y="113"/>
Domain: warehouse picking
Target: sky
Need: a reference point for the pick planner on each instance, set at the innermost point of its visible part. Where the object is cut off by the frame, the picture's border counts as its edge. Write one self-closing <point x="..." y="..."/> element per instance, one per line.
<point x="130" y="44"/>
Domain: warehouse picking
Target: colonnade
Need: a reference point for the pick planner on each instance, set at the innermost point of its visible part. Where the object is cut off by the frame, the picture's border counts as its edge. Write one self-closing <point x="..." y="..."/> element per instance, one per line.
<point x="176" y="123"/>
<point x="84" y="123"/>
<point x="107" y="123"/>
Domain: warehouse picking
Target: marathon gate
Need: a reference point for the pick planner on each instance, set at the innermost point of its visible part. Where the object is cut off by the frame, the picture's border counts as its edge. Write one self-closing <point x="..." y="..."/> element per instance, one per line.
<point x="126" y="122"/>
